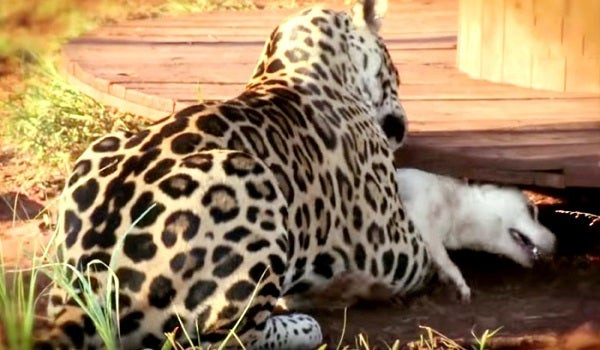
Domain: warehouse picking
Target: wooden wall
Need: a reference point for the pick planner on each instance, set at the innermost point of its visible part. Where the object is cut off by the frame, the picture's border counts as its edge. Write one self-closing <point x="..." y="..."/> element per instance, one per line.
<point x="542" y="44"/>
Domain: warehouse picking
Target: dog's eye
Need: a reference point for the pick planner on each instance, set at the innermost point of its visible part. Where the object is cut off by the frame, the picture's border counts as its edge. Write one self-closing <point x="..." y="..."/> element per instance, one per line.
<point x="532" y="211"/>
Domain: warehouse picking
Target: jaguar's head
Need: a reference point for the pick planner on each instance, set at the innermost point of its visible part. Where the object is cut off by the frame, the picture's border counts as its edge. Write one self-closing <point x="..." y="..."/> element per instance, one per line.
<point x="335" y="56"/>
<point x="379" y="78"/>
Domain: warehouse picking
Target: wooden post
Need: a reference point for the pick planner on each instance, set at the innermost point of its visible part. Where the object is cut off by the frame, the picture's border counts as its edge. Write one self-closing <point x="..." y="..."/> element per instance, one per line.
<point x="542" y="44"/>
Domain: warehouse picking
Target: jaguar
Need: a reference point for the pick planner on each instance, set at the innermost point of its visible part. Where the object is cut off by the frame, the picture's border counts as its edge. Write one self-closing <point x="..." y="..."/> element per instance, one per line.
<point x="285" y="194"/>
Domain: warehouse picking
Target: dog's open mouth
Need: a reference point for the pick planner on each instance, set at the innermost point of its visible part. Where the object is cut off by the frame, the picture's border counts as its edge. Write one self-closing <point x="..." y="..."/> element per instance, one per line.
<point x="525" y="243"/>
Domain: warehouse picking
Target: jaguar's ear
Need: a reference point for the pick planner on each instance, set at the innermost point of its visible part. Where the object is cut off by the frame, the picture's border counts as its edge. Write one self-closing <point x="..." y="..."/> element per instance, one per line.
<point x="368" y="13"/>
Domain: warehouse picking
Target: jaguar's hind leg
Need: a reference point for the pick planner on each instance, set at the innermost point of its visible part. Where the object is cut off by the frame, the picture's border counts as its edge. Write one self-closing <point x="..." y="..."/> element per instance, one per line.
<point x="218" y="253"/>
<point x="243" y="241"/>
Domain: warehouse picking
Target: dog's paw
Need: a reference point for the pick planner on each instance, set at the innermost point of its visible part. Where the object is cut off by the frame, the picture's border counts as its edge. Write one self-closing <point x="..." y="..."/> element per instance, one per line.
<point x="464" y="293"/>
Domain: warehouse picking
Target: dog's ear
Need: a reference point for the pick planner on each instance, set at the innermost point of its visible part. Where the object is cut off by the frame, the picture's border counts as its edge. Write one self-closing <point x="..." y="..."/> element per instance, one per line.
<point x="368" y="13"/>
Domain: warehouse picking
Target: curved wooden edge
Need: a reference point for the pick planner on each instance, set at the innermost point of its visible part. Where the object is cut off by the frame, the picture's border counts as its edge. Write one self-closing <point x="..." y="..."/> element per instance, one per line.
<point x="576" y="173"/>
<point x="115" y="95"/>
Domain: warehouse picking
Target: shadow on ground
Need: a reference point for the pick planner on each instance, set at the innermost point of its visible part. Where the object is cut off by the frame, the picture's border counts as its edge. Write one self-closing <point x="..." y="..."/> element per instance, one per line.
<point x="14" y="206"/>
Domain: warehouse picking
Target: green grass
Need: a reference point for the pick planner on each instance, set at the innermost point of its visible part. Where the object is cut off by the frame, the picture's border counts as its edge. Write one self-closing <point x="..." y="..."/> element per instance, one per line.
<point x="18" y="300"/>
<point x="45" y="119"/>
<point x="172" y="343"/>
<point x="17" y="307"/>
<point x="53" y="121"/>
<point x="482" y="340"/>
<point x="432" y="339"/>
<point x="19" y="297"/>
<point x="98" y="307"/>
<point x="189" y="6"/>
<point x="26" y="24"/>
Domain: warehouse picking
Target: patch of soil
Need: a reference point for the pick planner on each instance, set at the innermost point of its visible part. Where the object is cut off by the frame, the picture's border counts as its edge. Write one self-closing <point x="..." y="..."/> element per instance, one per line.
<point x="23" y="229"/>
<point x="21" y="240"/>
<point x="550" y="298"/>
<point x="553" y="298"/>
<point x="14" y="206"/>
<point x="20" y="235"/>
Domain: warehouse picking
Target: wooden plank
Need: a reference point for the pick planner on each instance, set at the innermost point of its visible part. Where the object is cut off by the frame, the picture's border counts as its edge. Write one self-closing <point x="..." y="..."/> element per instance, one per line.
<point x="540" y="79"/>
<point x="459" y="165"/>
<point x="585" y="15"/>
<point x="509" y="115"/>
<point x="151" y="101"/>
<point x="93" y="52"/>
<point x="547" y="32"/>
<point x="174" y="72"/>
<point x="435" y="20"/>
<point x="260" y="30"/>
<point x="454" y="139"/>
<point x="180" y="68"/>
<point x="558" y="153"/>
<point x="469" y="45"/>
<point x="580" y="71"/>
<point x="407" y="50"/>
<point x="458" y="126"/>
<point x="462" y="89"/>
<point x="119" y="103"/>
<point x="492" y="39"/>
<point x="516" y="60"/>
<point x="583" y="173"/>
<point x="516" y="158"/>
<point x="501" y="176"/>
<point x="94" y="81"/>
<point x="188" y="91"/>
<point x="504" y="156"/>
<point x="252" y="34"/>
<point x="456" y="116"/>
<point x="163" y="63"/>
<point x="400" y="19"/>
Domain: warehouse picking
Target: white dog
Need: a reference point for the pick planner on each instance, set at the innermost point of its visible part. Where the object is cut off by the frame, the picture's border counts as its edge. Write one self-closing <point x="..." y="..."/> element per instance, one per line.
<point x="451" y="214"/>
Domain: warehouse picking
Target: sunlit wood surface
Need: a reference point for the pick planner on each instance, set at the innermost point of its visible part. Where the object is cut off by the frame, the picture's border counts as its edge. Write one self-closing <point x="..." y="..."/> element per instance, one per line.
<point x="458" y="126"/>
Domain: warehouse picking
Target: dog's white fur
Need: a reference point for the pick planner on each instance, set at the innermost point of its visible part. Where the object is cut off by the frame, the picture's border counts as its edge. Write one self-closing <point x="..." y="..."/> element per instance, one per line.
<point x="451" y="214"/>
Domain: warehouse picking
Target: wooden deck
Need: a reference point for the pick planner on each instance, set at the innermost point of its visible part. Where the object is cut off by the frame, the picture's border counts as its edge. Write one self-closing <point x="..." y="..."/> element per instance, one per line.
<point x="458" y="126"/>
